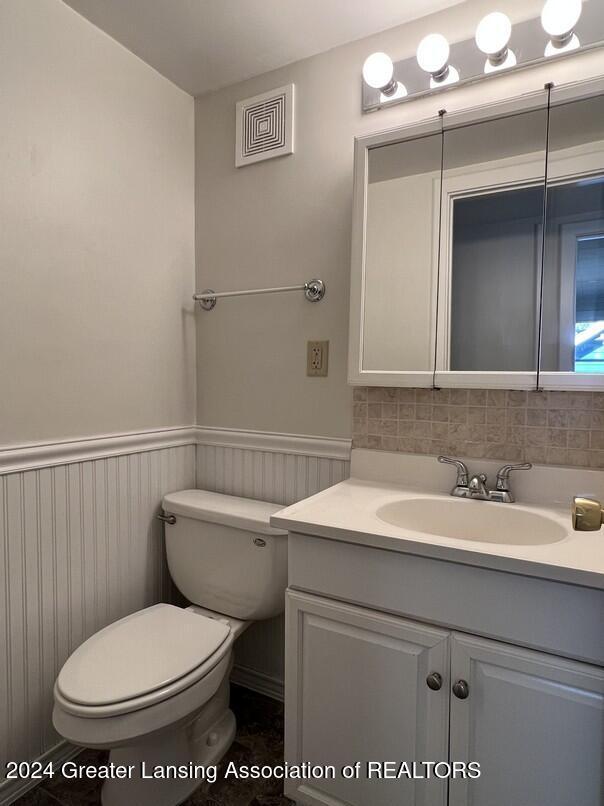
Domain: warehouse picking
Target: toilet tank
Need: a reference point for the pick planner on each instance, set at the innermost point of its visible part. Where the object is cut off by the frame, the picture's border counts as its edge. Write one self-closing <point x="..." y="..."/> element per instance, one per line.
<point x="224" y="555"/>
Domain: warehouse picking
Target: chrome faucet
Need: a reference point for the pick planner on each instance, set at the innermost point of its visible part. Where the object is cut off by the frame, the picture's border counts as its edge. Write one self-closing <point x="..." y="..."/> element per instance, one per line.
<point x="476" y="487"/>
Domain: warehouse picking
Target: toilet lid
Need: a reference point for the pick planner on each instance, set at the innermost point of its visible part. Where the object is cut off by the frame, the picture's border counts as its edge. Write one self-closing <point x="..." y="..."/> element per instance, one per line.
<point x="140" y="653"/>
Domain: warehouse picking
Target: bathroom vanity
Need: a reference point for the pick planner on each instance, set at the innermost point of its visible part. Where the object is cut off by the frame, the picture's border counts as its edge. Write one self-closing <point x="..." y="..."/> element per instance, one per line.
<point x="409" y="645"/>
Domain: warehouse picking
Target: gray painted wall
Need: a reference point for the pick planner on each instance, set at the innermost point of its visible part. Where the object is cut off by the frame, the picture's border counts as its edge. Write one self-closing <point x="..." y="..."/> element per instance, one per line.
<point x="286" y="220"/>
<point x="96" y="245"/>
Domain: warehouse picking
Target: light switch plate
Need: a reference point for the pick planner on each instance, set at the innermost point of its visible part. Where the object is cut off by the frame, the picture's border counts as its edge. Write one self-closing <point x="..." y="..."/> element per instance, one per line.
<point x="317" y="358"/>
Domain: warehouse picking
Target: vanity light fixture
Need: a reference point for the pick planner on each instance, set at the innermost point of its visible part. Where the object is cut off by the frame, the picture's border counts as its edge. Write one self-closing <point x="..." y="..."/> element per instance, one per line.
<point x="492" y="38"/>
<point x="559" y="18"/>
<point x="433" y="57"/>
<point x="498" y="45"/>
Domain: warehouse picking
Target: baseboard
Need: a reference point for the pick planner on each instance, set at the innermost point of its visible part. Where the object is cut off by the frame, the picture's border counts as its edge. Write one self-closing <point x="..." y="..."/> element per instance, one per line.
<point x="10" y="791"/>
<point x="258" y="681"/>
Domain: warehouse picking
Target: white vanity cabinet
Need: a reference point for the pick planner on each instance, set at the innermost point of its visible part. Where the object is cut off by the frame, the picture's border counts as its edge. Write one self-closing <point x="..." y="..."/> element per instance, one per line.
<point x="357" y="683"/>
<point x="534" y="722"/>
<point x="357" y="692"/>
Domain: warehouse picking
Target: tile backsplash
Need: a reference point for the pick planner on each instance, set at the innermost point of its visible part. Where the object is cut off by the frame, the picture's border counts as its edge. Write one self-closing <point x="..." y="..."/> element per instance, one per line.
<point x="555" y="428"/>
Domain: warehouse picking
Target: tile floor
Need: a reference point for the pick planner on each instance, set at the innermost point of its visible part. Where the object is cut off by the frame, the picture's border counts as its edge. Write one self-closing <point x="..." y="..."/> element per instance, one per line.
<point x="259" y="740"/>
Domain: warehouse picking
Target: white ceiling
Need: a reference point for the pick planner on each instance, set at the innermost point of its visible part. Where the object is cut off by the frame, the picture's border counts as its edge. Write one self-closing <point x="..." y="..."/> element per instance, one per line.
<point x="202" y="45"/>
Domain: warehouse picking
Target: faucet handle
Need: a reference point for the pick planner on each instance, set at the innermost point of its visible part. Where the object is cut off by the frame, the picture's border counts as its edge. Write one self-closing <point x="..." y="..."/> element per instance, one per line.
<point x="503" y="475"/>
<point x="462" y="470"/>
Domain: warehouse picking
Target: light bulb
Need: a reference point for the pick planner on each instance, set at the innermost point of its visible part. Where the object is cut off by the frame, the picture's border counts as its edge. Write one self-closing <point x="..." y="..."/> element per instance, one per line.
<point x="378" y="71"/>
<point x="449" y="76"/>
<point x="553" y="49"/>
<point x="493" y="33"/>
<point x="559" y="17"/>
<point x="433" y="54"/>
<point x="509" y="61"/>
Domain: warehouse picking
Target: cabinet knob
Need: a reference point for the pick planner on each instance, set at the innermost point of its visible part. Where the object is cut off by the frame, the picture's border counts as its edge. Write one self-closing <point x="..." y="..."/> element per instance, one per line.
<point x="434" y="681"/>
<point x="461" y="689"/>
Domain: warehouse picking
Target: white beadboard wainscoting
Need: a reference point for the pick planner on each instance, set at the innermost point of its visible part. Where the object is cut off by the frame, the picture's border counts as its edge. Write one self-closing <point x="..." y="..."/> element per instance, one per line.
<point x="281" y="468"/>
<point x="79" y="548"/>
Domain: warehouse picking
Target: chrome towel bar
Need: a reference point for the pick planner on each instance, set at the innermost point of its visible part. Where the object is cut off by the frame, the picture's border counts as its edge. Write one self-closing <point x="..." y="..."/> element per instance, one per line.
<point x="314" y="290"/>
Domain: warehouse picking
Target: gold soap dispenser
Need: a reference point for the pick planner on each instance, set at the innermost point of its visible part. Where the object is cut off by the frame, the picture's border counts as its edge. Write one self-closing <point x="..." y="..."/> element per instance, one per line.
<point x="587" y="514"/>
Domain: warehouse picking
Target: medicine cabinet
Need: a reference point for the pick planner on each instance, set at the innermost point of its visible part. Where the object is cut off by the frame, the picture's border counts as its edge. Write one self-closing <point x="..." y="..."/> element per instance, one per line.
<point x="478" y="248"/>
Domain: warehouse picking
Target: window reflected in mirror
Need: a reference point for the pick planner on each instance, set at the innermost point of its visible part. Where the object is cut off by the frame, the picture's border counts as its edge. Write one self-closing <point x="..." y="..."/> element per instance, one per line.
<point x="589" y="303"/>
<point x="573" y="282"/>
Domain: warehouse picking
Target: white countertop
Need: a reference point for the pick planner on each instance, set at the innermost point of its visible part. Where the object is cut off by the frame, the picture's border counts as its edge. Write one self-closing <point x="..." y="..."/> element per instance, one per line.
<point x="347" y="512"/>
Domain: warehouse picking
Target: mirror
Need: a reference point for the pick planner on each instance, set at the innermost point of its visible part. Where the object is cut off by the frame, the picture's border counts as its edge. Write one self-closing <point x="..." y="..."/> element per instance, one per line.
<point x="401" y="235"/>
<point x="467" y="271"/>
<point x="491" y="231"/>
<point x="573" y="277"/>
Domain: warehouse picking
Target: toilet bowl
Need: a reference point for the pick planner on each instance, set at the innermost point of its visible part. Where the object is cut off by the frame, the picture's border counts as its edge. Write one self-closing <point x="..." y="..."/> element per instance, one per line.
<point x="153" y="687"/>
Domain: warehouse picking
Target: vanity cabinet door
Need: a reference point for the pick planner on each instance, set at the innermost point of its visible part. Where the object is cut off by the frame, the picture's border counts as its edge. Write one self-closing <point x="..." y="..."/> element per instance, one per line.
<point x="534" y="722"/>
<point x="356" y="691"/>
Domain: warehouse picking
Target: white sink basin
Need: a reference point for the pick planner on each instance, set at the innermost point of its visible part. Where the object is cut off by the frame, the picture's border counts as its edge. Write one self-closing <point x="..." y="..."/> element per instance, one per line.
<point x="479" y="521"/>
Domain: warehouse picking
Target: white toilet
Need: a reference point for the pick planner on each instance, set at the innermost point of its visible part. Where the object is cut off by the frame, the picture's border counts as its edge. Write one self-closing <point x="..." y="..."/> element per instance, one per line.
<point x="154" y="686"/>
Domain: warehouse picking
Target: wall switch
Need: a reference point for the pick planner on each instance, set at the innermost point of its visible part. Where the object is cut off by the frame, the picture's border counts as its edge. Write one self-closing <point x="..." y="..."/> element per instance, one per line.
<point x="317" y="358"/>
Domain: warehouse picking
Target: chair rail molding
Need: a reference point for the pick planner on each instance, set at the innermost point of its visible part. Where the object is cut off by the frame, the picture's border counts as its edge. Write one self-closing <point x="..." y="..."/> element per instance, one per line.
<point x="323" y="447"/>
<point x="36" y="455"/>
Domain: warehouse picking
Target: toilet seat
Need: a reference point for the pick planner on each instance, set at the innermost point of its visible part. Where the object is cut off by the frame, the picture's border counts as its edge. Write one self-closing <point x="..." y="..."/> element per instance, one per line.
<point x="140" y="661"/>
<point x="91" y="729"/>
